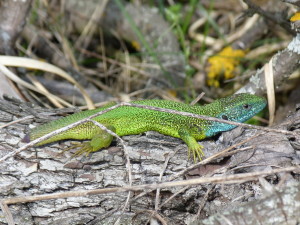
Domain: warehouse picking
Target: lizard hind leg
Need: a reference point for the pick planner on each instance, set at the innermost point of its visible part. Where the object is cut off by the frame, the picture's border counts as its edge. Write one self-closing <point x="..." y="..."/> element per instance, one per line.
<point x="100" y="140"/>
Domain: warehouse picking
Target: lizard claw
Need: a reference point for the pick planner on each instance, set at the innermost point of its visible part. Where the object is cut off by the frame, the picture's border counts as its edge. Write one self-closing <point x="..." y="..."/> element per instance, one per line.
<point x="84" y="148"/>
<point x="197" y="152"/>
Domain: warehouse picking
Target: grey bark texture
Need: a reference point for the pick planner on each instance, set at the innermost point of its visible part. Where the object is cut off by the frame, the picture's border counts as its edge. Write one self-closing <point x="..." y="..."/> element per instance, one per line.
<point x="46" y="170"/>
<point x="276" y="207"/>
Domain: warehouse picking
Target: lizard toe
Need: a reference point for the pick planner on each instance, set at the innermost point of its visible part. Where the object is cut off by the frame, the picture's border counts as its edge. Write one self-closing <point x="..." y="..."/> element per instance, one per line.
<point x="196" y="152"/>
<point x="83" y="148"/>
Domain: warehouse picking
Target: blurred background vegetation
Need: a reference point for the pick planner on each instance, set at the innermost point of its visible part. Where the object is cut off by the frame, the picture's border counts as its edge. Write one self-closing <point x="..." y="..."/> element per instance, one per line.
<point x="125" y="50"/>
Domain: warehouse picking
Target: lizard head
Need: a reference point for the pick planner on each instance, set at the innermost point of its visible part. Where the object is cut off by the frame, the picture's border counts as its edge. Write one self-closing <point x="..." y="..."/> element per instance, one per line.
<point x="241" y="107"/>
<point x="238" y="108"/>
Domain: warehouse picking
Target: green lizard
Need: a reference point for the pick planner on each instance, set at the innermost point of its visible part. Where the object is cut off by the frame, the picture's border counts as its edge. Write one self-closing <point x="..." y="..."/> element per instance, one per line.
<point x="127" y="120"/>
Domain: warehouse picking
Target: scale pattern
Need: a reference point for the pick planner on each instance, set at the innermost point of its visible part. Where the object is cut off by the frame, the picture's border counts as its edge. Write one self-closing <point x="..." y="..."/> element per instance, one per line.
<point x="128" y="120"/>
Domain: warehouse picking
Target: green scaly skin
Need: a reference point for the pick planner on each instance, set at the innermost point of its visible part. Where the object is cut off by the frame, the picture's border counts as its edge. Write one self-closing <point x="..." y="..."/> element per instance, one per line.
<point x="128" y="120"/>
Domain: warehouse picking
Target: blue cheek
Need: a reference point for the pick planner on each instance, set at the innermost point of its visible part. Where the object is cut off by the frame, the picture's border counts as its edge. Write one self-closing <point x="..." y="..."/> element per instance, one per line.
<point x="216" y="127"/>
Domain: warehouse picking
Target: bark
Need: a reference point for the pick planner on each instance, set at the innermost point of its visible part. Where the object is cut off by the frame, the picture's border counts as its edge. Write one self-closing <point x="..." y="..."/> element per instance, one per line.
<point x="13" y="17"/>
<point x="284" y="64"/>
<point x="294" y="2"/>
<point x="277" y="207"/>
<point x="46" y="170"/>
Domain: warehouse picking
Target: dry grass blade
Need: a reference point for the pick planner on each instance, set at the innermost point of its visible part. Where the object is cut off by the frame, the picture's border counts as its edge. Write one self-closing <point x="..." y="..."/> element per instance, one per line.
<point x="227" y="179"/>
<point x="16" y="79"/>
<point x="8" y="216"/>
<point x="269" y="77"/>
<point x="91" y="26"/>
<point x="43" y="89"/>
<point x="35" y="64"/>
<point x="16" y="121"/>
<point x="266" y="49"/>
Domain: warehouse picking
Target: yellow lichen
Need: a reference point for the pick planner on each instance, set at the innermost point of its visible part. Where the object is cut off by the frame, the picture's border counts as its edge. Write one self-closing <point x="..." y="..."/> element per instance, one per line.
<point x="172" y="92"/>
<point x="223" y="63"/>
<point x="136" y="45"/>
<point x="295" y="17"/>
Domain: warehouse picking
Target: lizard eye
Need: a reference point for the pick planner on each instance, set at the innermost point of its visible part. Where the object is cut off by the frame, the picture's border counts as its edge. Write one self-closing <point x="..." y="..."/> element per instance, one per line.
<point x="224" y="117"/>
<point x="247" y="106"/>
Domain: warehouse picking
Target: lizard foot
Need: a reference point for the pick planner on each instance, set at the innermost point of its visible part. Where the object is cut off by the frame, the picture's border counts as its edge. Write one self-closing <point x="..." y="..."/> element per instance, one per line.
<point x="98" y="141"/>
<point x="84" y="148"/>
<point x="196" y="152"/>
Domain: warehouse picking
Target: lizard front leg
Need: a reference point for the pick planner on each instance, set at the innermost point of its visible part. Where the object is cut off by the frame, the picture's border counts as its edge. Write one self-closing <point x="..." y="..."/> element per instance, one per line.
<point x="193" y="146"/>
